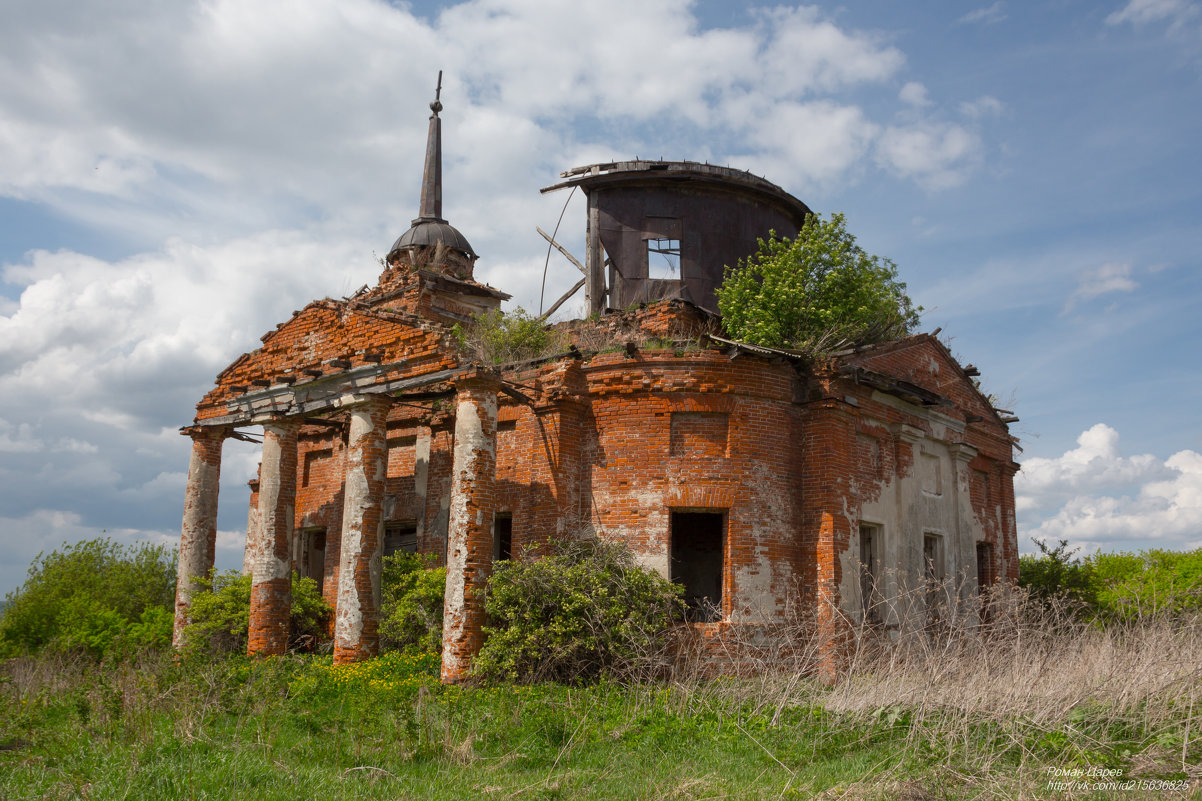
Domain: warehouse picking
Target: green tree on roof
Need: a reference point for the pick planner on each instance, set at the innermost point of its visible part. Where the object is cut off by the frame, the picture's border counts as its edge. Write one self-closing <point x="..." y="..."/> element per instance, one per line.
<point x="815" y="293"/>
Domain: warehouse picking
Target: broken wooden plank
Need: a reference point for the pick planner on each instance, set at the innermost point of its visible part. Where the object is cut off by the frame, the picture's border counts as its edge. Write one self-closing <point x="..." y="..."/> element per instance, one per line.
<point x="561" y="249"/>
<point x="575" y="288"/>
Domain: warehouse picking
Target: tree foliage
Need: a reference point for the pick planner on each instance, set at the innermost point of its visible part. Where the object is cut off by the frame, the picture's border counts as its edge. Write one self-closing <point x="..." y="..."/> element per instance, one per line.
<point x="1116" y="586"/>
<point x="581" y="612"/>
<point x="220" y="614"/>
<point x="499" y="338"/>
<point x="1056" y="572"/>
<point x="412" y="601"/>
<point x="815" y="292"/>
<point x="92" y="596"/>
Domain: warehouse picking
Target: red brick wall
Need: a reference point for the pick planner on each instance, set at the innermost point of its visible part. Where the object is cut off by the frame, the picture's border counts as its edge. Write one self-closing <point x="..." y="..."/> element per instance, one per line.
<point x="614" y="443"/>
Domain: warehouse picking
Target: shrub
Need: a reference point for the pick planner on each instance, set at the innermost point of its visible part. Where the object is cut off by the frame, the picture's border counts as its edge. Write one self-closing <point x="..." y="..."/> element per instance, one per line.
<point x="1057" y="573"/>
<point x="220" y="614"/>
<point x="1116" y="586"/>
<point x="499" y="338"/>
<point x="91" y="596"/>
<point x="411" y="606"/>
<point x="1127" y="585"/>
<point x="584" y="611"/>
<point x="815" y="292"/>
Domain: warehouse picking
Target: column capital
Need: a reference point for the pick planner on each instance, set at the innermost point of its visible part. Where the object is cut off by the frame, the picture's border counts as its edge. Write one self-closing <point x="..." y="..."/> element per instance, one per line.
<point x="908" y="433"/>
<point x="283" y="424"/>
<point x="478" y="377"/>
<point x="962" y="451"/>
<point x="207" y="432"/>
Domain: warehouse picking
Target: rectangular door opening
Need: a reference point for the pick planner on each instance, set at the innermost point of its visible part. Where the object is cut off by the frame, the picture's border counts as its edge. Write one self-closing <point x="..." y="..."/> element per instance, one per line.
<point x="870" y="577"/>
<point x="985" y="577"/>
<point x="502" y="536"/>
<point x="310" y="559"/>
<point x="696" y="559"/>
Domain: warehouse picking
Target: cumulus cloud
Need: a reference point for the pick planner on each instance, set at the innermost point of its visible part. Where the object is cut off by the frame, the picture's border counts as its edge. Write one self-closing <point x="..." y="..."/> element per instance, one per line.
<point x="1104" y="280"/>
<point x="154" y="106"/>
<point x="936" y="154"/>
<point x="1095" y="497"/>
<point x="914" y="94"/>
<point x="253" y="155"/>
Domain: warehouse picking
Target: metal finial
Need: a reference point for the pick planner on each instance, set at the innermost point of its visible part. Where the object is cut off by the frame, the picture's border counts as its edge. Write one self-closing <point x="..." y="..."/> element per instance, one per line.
<point x="436" y="106"/>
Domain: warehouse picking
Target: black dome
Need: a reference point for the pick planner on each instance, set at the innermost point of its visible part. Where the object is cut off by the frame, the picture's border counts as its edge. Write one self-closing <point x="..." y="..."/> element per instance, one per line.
<point x="427" y="233"/>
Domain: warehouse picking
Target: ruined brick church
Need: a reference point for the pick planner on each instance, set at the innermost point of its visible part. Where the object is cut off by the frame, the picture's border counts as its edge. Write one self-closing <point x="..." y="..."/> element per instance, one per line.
<point x="753" y="477"/>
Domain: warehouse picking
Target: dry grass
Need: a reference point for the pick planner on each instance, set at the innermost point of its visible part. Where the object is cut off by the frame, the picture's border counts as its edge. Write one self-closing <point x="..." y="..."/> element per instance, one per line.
<point x="994" y="707"/>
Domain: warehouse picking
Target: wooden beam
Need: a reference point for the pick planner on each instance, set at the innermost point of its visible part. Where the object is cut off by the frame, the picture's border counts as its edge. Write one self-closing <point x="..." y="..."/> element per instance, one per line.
<point x="516" y="395"/>
<point x="594" y="273"/>
<point x="560" y="302"/>
<point x="561" y="249"/>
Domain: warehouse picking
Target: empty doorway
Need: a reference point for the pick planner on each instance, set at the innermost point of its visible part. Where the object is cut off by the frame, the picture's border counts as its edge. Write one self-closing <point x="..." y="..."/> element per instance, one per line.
<point x="696" y="559"/>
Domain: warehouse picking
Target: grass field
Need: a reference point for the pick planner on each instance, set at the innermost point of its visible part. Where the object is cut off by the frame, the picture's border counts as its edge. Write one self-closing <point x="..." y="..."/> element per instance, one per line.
<point x="951" y="717"/>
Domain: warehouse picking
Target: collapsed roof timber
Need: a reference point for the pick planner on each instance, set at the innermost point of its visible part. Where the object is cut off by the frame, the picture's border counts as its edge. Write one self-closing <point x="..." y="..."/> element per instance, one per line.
<point x="750" y="476"/>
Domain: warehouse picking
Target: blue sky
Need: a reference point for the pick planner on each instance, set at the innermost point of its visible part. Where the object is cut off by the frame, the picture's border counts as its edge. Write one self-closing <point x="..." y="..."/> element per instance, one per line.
<point x="178" y="177"/>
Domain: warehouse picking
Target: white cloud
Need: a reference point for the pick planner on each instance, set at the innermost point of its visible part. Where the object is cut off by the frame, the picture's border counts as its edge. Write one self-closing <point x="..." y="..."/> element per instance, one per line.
<point x="914" y="94"/>
<point x="987" y="15"/>
<point x="18" y="438"/>
<point x="1104" y="280"/>
<point x="255" y="154"/>
<point x="937" y="155"/>
<point x="1093" y="496"/>
<point x="983" y="106"/>
<point x="1140" y="12"/>
<point x="838" y="138"/>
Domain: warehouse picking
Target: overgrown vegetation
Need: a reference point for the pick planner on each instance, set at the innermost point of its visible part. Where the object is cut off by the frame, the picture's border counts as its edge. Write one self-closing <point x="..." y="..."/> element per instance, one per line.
<point x="220" y="614"/>
<point x="814" y="293"/>
<point x="498" y="338"/>
<point x="412" y="601"/>
<point x="985" y="714"/>
<point x="998" y="711"/>
<point x="1115" y="586"/>
<point x="94" y="596"/>
<point x="583" y="611"/>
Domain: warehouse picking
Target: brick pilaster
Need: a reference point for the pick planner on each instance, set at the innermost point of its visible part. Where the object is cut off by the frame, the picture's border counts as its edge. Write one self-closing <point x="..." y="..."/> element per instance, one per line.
<point x="828" y="448"/>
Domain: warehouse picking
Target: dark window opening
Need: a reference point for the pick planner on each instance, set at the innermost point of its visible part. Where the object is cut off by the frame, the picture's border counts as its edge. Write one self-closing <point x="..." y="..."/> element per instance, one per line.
<point x="506" y="425"/>
<point x="984" y="565"/>
<point x="932" y="557"/>
<point x="663" y="259"/>
<point x="400" y="537"/>
<point x="696" y="560"/>
<point x="985" y="577"/>
<point x="870" y="575"/>
<point x="311" y="554"/>
<point x="503" y="537"/>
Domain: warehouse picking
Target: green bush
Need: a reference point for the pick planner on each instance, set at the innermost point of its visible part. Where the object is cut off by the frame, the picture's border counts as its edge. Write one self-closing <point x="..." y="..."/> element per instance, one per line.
<point x="499" y="338"/>
<point x="1115" y="586"/>
<point x="584" y="611"/>
<point x="411" y="606"/>
<point x="818" y="291"/>
<point x="220" y="614"/>
<point x="93" y="596"/>
<point x="1127" y="585"/>
<point x="1057" y="573"/>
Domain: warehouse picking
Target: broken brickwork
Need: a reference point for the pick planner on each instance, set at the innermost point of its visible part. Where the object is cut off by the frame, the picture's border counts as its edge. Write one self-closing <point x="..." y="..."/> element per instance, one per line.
<point x="789" y="460"/>
<point x="769" y="485"/>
